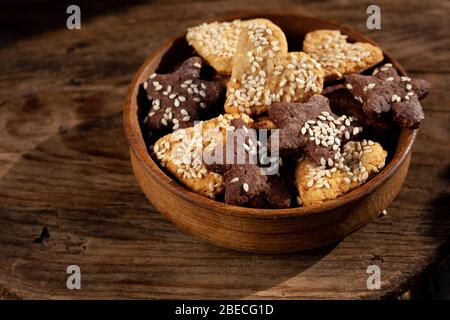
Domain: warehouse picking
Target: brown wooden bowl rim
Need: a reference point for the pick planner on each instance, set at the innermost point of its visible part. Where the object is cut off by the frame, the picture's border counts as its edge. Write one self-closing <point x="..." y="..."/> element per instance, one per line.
<point x="139" y="149"/>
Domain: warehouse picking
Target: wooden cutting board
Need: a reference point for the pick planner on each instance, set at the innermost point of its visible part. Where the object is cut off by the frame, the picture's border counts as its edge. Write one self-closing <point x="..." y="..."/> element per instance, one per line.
<point x="68" y="195"/>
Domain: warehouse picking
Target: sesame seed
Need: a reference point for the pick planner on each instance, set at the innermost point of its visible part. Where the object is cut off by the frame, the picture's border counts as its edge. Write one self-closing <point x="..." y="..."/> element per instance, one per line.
<point x="234" y="180"/>
<point x="245" y="187"/>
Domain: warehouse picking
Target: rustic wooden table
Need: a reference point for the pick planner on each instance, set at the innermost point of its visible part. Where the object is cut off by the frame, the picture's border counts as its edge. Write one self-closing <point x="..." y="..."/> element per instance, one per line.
<point x="64" y="163"/>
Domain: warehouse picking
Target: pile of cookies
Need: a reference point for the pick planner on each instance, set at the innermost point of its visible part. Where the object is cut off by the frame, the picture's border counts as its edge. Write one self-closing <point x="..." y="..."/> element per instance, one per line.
<point x="328" y="118"/>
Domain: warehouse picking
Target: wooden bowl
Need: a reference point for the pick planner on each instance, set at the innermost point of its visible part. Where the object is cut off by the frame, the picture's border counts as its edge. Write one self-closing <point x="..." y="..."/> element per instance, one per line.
<point x="260" y="230"/>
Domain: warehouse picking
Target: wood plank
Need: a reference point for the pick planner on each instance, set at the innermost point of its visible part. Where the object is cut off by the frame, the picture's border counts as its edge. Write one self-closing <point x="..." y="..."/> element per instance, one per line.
<point x="64" y="165"/>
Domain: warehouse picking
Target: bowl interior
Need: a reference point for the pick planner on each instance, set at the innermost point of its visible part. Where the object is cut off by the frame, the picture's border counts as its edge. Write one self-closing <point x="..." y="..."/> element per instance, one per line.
<point x="175" y="51"/>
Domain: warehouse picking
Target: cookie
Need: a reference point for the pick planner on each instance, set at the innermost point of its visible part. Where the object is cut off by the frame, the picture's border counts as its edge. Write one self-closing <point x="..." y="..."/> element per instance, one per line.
<point x="264" y="72"/>
<point x="337" y="56"/>
<point x="343" y="102"/>
<point x="245" y="181"/>
<point x="177" y="97"/>
<point x="316" y="184"/>
<point x="264" y="122"/>
<point x="181" y="153"/>
<point x="387" y="92"/>
<point x="216" y="42"/>
<point x="313" y="129"/>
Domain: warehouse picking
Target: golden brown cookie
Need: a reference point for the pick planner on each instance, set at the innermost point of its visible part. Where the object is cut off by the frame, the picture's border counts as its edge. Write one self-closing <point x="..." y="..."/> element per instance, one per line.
<point x="216" y="42"/>
<point x="339" y="57"/>
<point x="265" y="72"/>
<point x="360" y="161"/>
<point x="264" y="122"/>
<point x="181" y="153"/>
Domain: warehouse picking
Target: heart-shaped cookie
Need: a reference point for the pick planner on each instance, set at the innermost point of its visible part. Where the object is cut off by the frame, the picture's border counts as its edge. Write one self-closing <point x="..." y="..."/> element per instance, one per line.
<point x="339" y="57"/>
<point x="316" y="184"/>
<point x="264" y="72"/>
<point x="216" y="42"/>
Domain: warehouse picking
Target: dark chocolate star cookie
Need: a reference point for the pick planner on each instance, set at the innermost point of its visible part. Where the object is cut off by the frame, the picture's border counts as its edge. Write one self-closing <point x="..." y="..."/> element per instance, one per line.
<point x="312" y="128"/>
<point x="245" y="182"/>
<point x="342" y="102"/>
<point x="387" y="92"/>
<point x="178" y="97"/>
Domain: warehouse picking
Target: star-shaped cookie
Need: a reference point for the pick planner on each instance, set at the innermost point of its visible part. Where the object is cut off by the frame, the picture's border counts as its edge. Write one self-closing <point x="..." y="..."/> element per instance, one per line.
<point x="245" y="182"/>
<point x="312" y="128"/>
<point x="387" y="92"/>
<point x="177" y="97"/>
<point x="342" y="102"/>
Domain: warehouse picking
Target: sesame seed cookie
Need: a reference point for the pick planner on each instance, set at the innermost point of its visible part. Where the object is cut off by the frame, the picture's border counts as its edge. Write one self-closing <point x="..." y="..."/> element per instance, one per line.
<point x="216" y="42"/>
<point x="311" y="128"/>
<point x="246" y="184"/>
<point x="265" y="72"/>
<point x="264" y="122"/>
<point x="361" y="161"/>
<point x="339" y="57"/>
<point x="343" y="102"/>
<point x="386" y="92"/>
<point x="181" y="153"/>
<point x="177" y="98"/>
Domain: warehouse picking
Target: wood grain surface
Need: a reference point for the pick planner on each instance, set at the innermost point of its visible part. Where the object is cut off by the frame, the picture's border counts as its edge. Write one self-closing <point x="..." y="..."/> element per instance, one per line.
<point x="64" y="164"/>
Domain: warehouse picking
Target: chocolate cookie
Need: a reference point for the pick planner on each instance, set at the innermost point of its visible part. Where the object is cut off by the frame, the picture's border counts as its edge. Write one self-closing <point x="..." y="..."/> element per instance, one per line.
<point x="386" y="92"/>
<point x="178" y="97"/>
<point x="180" y="153"/>
<point x="245" y="182"/>
<point x="312" y="128"/>
<point x="342" y="102"/>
